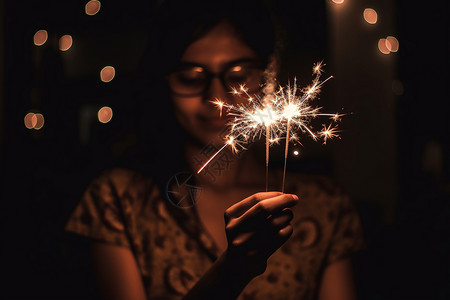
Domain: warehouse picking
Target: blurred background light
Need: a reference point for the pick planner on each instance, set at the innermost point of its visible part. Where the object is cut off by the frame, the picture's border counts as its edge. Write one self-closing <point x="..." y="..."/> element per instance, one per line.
<point x="92" y="7"/>
<point x="296" y="153"/>
<point x="383" y="46"/>
<point x="105" y="114"/>
<point x="40" y="37"/>
<point x="370" y="15"/>
<point x="39" y="121"/>
<point x="30" y="120"/>
<point x="65" y="42"/>
<point x="34" y="121"/>
<point x="392" y="44"/>
<point x="107" y="74"/>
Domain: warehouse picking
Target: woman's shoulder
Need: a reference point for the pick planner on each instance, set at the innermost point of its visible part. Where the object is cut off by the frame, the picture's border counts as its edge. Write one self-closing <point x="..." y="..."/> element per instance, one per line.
<point x="123" y="179"/>
<point x="114" y="200"/>
<point x="120" y="176"/>
<point x="129" y="186"/>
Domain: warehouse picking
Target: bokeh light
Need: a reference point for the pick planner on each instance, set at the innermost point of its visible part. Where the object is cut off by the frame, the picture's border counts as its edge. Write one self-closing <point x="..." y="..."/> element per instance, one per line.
<point x="39" y="121"/>
<point x="92" y="7"/>
<point x="34" y="121"/>
<point x="107" y="74"/>
<point x="392" y="44"/>
<point x="40" y="37"/>
<point x="30" y="120"/>
<point x="370" y="15"/>
<point x="338" y="1"/>
<point x="383" y="46"/>
<point x="105" y="114"/>
<point x="296" y="153"/>
<point x="65" y="42"/>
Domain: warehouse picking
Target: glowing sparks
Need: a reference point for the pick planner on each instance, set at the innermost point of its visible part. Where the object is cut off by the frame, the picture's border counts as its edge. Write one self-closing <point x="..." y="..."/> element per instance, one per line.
<point x="279" y="115"/>
<point x="219" y="105"/>
<point x="328" y="133"/>
<point x="317" y="68"/>
<point x="336" y="117"/>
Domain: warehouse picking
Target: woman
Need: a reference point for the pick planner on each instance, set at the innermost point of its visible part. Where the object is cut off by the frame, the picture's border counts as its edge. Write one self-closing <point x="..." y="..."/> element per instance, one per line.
<point x="232" y="240"/>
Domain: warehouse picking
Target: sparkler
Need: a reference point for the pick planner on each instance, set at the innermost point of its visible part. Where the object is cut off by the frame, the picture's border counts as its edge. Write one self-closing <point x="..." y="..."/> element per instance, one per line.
<point x="250" y="122"/>
<point x="287" y="111"/>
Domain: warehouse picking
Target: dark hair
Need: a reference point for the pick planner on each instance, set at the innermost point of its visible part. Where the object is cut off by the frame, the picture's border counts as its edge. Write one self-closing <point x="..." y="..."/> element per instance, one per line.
<point x="180" y="22"/>
<point x="176" y="24"/>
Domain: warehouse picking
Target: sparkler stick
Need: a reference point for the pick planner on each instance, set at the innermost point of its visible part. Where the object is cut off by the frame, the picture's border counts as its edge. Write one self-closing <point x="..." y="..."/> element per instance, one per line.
<point x="284" y="111"/>
<point x="288" y="127"/>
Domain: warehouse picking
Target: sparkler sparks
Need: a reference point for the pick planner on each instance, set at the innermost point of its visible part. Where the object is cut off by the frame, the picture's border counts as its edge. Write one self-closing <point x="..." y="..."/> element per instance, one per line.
<point x="328" y="133"/>
<point x="279" y="115"/>
<point x="219" y="103"/>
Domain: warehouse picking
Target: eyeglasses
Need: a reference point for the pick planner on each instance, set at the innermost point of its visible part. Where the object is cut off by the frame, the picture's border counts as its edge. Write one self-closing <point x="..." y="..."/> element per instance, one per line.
<point x="193" y="80"/>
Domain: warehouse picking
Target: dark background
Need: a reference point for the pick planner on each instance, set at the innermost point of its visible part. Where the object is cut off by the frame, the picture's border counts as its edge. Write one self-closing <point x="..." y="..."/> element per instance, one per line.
<point x="393" y="157"/>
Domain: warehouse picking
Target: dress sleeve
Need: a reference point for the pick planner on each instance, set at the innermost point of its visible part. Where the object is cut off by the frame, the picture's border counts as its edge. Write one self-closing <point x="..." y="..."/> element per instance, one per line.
<point x="348" y="234"/>
<point x="100" y="214"/>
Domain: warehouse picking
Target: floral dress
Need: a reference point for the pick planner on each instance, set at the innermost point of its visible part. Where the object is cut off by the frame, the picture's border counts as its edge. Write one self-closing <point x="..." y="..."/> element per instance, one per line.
<point x="173" y="250"/>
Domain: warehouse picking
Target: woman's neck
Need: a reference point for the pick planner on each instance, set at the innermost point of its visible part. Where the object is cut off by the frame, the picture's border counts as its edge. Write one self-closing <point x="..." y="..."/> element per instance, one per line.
<point x="227" y="170"/>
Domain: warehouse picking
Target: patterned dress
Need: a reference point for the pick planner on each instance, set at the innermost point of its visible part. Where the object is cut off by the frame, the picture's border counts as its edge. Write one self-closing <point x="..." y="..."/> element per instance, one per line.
<point x="173" y="250"/>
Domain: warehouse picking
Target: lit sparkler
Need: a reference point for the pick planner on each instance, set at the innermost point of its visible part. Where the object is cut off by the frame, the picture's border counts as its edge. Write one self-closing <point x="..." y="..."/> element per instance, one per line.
<point x="284" y="113"/>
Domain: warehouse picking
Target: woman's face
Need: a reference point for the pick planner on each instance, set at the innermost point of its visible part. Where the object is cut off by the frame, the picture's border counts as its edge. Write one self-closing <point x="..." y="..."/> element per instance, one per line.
<point x="206" y="67"/>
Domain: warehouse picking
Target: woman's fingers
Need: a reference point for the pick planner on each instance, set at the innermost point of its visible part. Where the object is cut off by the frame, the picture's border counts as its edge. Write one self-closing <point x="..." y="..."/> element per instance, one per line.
<point x="281" y="219"/>
<point x="282" y="236"/>
<point x="256" y="216"/>
<point x="270" y="206"/>
<point x="273" y="228"/>
<point x="258" y="225"/>
<point x="264" y="243"/>
<point x="241" y="207"/>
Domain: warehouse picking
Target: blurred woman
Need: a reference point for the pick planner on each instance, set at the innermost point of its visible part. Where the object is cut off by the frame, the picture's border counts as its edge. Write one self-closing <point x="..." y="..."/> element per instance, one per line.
<point x="159" y="233"/>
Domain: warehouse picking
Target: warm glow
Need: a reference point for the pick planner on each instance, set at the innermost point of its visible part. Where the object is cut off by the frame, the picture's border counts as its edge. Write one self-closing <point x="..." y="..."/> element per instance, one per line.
<point x="105" y="114"/>
<point x="34" y="121"/>
<point x="338" y="1"/>
<point x="264" y="116"/>
<point x="107" y="74"/>
<point x="219" y="104"/>
<point x="290" y="111"/>
<point x="296" y="153"/>
<point x="92" y="7"/>
<point x="392" y="44"/>
<point x="370" y="15"/>
<point x="40" y="37"/>
<point x="30" y="120"/>
<point x="383" y="46"/>
<point x="65" y="42"/>
<point x="39" y="121"/>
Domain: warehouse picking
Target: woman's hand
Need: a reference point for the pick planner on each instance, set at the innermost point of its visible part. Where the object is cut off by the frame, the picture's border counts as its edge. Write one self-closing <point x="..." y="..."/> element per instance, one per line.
<point x="256" y="227"/>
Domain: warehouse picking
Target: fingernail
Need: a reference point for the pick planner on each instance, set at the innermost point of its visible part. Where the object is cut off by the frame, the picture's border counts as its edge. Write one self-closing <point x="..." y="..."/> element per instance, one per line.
<point x="295" y="197"/>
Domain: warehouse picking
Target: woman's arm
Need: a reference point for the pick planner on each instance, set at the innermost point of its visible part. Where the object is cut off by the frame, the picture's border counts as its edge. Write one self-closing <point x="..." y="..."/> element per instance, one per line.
<point x="338" y="281"/>
<point x="117" y="273"/>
